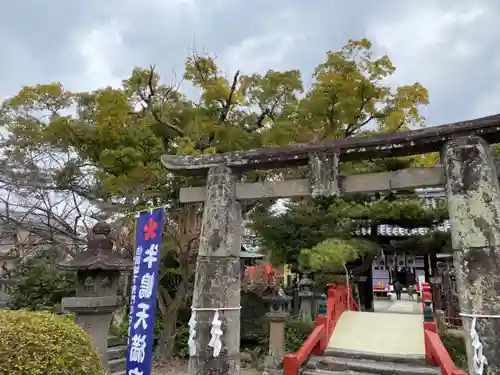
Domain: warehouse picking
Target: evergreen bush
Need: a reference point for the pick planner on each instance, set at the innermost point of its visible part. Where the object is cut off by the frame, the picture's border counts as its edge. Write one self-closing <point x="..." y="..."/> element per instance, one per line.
<point x="35" y="343"/>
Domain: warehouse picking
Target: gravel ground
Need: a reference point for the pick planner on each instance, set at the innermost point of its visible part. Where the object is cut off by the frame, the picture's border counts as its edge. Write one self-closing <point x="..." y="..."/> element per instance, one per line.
<point x="179" y="367"/>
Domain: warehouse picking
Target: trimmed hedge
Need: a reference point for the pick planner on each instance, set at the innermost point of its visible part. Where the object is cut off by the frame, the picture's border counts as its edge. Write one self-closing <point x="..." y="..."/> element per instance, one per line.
<point x="35" y="343"/>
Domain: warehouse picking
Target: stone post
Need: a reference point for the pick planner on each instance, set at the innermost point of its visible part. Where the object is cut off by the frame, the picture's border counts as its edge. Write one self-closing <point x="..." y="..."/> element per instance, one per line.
<point x="324" y="174"/>
<point x="440" y="321"/>
<point x="474" y="206"/>
<point x="98" y="271"/>
<point x="217" y="283"/>
<point x="306" y="299"/>
<point x="276" y="316"/>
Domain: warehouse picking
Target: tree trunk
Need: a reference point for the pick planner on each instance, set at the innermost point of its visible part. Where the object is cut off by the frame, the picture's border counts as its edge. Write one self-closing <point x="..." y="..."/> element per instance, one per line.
<point x="368" y="301"/>
<point x="166" y="342"/>
<point x="426" y="268"/>
<point x="433" y="261"/>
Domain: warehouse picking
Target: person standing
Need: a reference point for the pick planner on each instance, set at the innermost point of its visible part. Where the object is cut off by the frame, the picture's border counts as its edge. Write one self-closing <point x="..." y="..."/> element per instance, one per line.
<point x="411" y="292"/>
<point x="397" y="289"/>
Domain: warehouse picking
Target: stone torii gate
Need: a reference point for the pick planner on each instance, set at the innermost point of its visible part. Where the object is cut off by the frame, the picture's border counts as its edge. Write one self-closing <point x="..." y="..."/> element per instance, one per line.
<point x="467" y="171"/>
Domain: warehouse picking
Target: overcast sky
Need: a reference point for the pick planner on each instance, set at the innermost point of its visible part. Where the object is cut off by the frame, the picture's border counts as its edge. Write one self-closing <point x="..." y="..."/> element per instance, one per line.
<point x="451" y="47"/>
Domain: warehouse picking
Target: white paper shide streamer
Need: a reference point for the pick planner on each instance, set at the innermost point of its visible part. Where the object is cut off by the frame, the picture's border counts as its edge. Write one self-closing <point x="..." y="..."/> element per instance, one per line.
<point x="216" y="331"/>
<point x="192" y="334"/>
<point x="479" y="360"/>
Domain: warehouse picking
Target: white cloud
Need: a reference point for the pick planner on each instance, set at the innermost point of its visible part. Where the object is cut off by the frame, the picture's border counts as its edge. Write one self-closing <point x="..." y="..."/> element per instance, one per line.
<point x="98" y="48"/>
<point x="258" y="54"/>
<point x="421" y="40"/>
<point x="447" y="46"/>
<point x="440" y="47"/>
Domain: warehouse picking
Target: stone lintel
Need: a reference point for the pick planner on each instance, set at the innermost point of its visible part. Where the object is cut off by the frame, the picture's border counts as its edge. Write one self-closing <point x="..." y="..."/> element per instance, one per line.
<point x="413" y="142"/>
<point x="404" y="179"/>
<point x="473" y="195"/>
<point x="90" y="305"/>
<point x="324" y="174"/>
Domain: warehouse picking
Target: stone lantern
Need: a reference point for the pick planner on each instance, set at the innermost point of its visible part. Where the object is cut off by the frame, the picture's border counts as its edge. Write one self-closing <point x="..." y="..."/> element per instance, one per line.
<point x="277" y="301"/>
<point x="98" y="272"/>
<point x="306" y="299"/>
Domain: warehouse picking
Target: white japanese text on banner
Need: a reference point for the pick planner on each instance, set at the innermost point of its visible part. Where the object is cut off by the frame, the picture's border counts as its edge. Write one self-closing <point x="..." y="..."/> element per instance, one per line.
<point x="143" y="295"/>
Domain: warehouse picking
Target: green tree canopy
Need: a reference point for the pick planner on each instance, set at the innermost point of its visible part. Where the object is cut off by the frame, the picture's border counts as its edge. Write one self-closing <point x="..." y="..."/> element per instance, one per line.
<point x="339" y="224"/>
<point x="333" y="254"/>
<point x="101" y="149"/>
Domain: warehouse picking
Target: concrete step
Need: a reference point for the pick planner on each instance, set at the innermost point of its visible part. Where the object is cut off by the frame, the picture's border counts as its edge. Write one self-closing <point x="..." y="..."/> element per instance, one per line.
<point x="116" y="341"/>
<point x="117" y="365"/>
<point x="334" y="365"/>
<point x="417" y="360"/>
<point x="324" y="372"/>
<point x="117" y="355"/>
<point x="117" y="352"/>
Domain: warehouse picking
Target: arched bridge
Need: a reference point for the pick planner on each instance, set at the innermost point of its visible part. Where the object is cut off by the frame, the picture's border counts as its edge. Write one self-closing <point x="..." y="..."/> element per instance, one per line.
<point x="399" y="337"/>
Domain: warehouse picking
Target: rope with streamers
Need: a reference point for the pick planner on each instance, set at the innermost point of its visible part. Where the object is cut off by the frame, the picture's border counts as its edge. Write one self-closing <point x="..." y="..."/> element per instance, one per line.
<point x="479" y="361"/>
<point x="216" y="331"/>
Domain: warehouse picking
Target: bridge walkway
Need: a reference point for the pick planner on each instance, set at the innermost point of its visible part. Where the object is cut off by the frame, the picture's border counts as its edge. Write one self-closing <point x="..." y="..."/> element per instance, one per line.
<point x="394" y="328"/>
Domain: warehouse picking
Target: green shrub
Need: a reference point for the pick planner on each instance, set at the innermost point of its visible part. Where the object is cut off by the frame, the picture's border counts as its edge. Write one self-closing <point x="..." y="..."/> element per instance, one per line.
<point x="456" y="348"/>
<point x="181" y="348"/>
<point x="36" y="343"/>
<point x="39" y="284"/>
<point x="296" y="332"/>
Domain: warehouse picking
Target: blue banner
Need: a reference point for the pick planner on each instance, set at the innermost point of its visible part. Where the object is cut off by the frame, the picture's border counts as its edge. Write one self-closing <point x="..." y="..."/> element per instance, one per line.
<point x="143" y="295"/>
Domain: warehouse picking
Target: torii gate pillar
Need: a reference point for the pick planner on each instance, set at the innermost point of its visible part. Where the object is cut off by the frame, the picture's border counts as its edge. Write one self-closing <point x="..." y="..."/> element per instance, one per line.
<point x="217" y="282"/>
<point x="474" y="207"/>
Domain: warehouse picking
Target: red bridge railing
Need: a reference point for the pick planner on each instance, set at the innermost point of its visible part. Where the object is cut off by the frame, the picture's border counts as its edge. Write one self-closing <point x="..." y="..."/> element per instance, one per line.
<point x="339" y="300"/>
<point x="435" y="351"/>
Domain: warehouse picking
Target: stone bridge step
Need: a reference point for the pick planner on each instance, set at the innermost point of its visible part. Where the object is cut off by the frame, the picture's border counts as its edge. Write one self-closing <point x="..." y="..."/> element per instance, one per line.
<point x="325" y="372"/>
<point x="414" y="359"/>
<point x="117" y="352"/>
<point x="116" y="341"/>
<point x="117" y="365"/>
<point x="339" y="365"/>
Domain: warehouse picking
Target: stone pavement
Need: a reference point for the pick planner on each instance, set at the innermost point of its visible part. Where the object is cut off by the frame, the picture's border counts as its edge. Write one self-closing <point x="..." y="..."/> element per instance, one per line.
<point x="403" y="306"/>
<point x="394" y="329"/>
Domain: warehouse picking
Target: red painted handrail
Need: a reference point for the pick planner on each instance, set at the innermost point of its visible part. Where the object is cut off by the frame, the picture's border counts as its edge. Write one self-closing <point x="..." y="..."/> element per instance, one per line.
<point x="317" y="342"/>
<point x="435" y="351"/>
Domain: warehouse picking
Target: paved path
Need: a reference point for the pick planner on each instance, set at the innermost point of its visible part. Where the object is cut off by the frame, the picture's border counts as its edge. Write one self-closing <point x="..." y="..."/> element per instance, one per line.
<point x="179" y="367"/>
<point x="379" y="332"/>
<point x="403" y="306"/>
